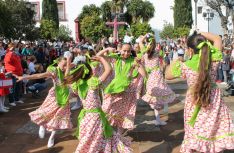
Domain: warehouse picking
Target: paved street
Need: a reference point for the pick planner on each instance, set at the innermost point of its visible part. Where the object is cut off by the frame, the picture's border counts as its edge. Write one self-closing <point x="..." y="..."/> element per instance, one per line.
<point x="19" y="135"/>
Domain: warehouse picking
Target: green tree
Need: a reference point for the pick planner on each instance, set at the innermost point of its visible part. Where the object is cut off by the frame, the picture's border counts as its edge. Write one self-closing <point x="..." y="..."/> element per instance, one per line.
<point x="48" y="29"/>
<point x="6" y="27"/>
<point x="64" y="33"/>
<point x="89" y="10"/>
<point x="17" y="20"/>
<point x="181" y="32"/>
<point x="138" y="29"/>
<point x="118" y="5"/>
<point x="106" y="10"/>
<point x="134" y="8"/>
<point x="183" y="13"/>
<point x="140" y="9"/>
<point x="50" y="11"/>
<point x="93" y="27"/>
<point x="148" y="11"/>
<point x="168" y="31"/>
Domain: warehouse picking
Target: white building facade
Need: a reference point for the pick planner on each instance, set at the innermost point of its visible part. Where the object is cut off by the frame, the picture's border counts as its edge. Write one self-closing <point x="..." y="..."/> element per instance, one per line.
<point x="214" y="25"/>
<point x="68" y="11"/>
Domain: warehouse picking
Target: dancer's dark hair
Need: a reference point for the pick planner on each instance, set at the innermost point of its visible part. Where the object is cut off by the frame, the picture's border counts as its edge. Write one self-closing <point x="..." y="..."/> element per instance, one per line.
<point x="202" y="88"/>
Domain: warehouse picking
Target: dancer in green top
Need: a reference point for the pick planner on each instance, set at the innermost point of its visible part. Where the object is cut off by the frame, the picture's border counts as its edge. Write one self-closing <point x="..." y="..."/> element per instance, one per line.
<point x="121" y="94"/>
<point x="54" y="113"/>
<point x="207" y="120"/>
<point x="93" y="129"/>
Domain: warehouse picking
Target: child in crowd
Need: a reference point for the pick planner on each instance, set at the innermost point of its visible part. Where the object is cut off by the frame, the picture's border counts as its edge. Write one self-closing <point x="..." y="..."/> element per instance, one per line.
<point x="4" y="90"/>
<point x="120" y="97"/>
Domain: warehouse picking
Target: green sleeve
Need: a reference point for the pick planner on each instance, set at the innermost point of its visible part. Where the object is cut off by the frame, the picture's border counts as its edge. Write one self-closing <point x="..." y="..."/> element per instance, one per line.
<point x="176" y="69"/>
<point x="51" y="69"/>
<point x="216" y="54"/>
<point x="94" y="83"/>
<point x="113" y="55"/>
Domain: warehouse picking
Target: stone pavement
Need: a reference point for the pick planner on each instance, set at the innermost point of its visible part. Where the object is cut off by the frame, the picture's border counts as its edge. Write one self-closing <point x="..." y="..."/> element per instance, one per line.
<point x="19" y="135"/>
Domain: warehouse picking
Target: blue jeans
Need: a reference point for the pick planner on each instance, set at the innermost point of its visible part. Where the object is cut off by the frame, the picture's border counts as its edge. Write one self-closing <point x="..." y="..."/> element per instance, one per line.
<point x="39" y="86"/>
<point x="220" y="74"/>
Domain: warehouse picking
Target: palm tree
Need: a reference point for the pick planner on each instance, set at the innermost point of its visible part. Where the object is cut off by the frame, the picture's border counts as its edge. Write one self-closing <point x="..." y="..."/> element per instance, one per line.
<point x="118" y="5"/>
<point x="106" y="10"/>
<point x="148" y="11"/>
<point x="140" y="9"/>
<point x="135" y="8"/>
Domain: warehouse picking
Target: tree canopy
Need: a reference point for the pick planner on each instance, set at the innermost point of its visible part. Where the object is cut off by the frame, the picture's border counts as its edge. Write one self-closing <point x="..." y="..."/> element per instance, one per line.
<point x="169" y="31"/>
<point x="140" y="10"/>
<point x="183" y="13"/>
<point x="50" y="11"/>
<point x="89" y="10"/>
<point x="93" y="27"/>
<point x="16" y="19"/>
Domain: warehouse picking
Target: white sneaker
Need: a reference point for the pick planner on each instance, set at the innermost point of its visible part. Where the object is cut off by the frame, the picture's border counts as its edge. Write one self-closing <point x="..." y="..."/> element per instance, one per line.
<point x="41" y="132"/>
<point x="6" y="108"/>
<point x="12" y="104"/>
<point x="20" y="102"/>
<point x="2" y="110"/>
<point x="50" y="142"/>
<point x="158" y="123"/>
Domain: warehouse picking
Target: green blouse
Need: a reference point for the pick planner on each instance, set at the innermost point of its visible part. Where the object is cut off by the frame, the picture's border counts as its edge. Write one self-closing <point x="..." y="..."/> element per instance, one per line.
<point x="61" y="92"/>
<point x="122" y="79"/>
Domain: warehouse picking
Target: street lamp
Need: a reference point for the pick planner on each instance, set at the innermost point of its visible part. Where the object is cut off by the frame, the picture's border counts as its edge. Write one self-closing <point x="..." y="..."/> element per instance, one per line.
<point x="196" y="13"/>
<point x="208" y="15"/>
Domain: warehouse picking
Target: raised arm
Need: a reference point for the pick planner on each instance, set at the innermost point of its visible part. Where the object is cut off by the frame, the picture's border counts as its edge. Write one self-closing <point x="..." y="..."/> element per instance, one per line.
<point x="104" y="51"/>
<point x="107" y="67"/>
<point x="142" y="70"/>
<point x="68" y="67"/>
<point x="216" y="39"/>
<point x="141" y="42"/>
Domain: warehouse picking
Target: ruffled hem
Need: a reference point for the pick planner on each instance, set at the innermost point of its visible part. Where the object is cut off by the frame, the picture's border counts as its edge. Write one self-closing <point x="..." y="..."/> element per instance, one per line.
<point x="54" y="124"/>
<point x="121" y="144"/>
<point x="205" y="146"/>
<point x="159" y="101"/>
<point x="121" y="122"/>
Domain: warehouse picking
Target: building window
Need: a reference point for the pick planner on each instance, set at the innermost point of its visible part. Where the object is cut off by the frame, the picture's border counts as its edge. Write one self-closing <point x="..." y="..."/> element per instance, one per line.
<point x="199" y="10"/>
<point x="61" y="10"/>
<point x="36" y="8"/>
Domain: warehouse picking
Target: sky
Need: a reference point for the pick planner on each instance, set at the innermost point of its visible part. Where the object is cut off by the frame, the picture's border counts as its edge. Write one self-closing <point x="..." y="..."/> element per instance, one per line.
<point x="162" y="13"/>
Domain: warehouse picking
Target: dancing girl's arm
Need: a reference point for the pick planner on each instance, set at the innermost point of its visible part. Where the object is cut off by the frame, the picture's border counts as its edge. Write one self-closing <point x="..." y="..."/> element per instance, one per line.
<point x="216" y="39"/>
<point x="141" y="41"/>
<point x="107" y="67"/>
<point x="104" y="51"/>
<point x="142" y="71"/>
<point x="34" y="76"/>
<point x="68" y="67"/>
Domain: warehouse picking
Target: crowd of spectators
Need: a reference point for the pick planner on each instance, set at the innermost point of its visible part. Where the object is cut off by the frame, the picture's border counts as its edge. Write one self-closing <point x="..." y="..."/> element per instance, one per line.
<point x="25" y="58"/>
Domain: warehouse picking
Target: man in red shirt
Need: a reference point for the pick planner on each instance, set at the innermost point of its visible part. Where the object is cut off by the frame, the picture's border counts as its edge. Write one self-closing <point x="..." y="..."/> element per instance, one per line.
<point x="13" y="65"/>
